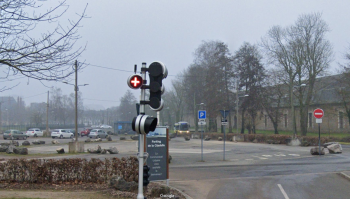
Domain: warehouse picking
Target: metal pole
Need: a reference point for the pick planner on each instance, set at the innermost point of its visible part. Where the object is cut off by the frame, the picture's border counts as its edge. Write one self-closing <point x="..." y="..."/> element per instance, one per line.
<point x="0" y="119"/>
<point x="293" y="113"/>
<point x="237" y="105"/>
<point x="224" y="132"/>
<point x="76" y="103"/>
<point x="141" y="139"/>
<point x="47" y="114"/>
<point x="202" y="142"/>
<point x="319" y="139"/>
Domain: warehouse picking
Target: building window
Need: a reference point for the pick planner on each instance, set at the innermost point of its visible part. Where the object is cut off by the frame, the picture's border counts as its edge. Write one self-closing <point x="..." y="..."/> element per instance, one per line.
<point x="285" y="121"/>
<point x="341" y="120"/>
<point x="310" y="120"/>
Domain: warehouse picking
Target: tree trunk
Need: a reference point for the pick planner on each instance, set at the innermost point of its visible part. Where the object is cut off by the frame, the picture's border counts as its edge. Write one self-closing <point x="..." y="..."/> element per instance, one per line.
<point x="275" y="126"/>
<point x="303" y="120"/>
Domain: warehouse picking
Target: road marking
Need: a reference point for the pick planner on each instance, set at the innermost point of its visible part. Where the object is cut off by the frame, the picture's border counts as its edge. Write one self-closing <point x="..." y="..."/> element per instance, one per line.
<point x="267" y="155"/>
<point x="248" y="159"/>
<point x="294" y="154"/>
<point x="283" y="192"/>
<point x="263" y="158"/>
<point x="279" y="155"/>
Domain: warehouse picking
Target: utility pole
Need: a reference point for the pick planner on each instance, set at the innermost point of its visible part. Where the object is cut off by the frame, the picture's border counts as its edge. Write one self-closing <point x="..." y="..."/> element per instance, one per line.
<point x="47" y="114"/>
<point x="0" y="118"/>
<point x="76" y="100"/>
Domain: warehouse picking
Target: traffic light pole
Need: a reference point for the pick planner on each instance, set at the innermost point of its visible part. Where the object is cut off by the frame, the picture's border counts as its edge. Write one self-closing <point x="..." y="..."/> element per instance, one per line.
<point x="141" y="138"/>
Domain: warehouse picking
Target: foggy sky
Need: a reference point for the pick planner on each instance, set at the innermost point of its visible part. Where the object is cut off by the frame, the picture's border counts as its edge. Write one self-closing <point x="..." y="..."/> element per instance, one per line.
<point x="122" y="33"/>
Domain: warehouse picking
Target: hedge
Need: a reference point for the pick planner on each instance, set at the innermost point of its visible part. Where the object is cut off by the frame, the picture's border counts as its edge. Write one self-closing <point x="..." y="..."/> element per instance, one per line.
<point x="75" y="170"/>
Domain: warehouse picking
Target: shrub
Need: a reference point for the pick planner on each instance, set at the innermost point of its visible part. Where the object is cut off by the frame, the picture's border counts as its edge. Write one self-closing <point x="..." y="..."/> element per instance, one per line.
<point x="73" y="170"/>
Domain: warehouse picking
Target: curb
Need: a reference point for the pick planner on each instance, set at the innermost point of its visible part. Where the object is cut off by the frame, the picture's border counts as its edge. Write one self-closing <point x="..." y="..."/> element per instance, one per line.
<point x="184" y="194"/>
<point x="344" y="175"/>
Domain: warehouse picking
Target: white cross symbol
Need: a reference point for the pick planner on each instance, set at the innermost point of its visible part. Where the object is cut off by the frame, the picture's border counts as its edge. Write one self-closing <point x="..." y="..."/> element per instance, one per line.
<point x="135" y="81"/>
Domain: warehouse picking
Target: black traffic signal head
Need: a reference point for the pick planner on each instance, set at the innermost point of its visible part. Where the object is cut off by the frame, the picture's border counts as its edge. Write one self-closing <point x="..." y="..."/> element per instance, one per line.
<point x="157" y="72"/>
<point x="146" y="175"/>
<point x="143" y="124"/>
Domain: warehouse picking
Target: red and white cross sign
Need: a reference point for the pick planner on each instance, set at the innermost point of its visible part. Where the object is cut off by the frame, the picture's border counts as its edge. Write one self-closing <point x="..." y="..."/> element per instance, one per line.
<point x="318" y="113"/>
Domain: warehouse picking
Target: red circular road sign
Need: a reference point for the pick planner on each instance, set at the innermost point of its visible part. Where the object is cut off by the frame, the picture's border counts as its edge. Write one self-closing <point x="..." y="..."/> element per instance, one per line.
<point x="135" y="81"/>
<point x="318" y="113"/>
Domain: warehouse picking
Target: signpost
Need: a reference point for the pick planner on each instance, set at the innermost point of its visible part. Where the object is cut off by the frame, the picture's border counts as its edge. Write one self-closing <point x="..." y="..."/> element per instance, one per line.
<point x="224" y="114"/>
<point x="202" y="115"/>
<point x="158" y="154"/>
<point x="318" y="114"/>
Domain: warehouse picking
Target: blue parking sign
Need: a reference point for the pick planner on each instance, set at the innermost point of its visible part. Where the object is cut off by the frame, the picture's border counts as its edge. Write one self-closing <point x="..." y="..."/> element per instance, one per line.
<point x="202" y="114"/>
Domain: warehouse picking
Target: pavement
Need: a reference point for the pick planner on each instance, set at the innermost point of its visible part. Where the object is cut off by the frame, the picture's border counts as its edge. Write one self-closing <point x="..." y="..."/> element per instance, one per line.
<point x="188" y="154"/>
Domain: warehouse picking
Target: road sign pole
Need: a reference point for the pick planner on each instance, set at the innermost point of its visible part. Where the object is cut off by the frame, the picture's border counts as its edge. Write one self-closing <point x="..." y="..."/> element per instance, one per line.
<point x="319" y="139"/>
<point x="224" y="133"/>
<point x="202" y="143"/>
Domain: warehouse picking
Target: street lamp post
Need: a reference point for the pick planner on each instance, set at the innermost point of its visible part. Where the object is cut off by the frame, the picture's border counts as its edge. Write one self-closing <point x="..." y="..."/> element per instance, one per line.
<point x="237" y="101"/>
<point x="293" y="109"/>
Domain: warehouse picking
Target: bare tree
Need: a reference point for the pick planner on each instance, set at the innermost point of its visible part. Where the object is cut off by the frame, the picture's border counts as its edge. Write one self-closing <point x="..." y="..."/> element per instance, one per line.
<point x="249" y="69"/>
<point x="272" y="97"/>
<point x="214" y="58"/>
<point x="304" y="53"/>
<point x="127" y="107"/>
<point x="45" y="56"/>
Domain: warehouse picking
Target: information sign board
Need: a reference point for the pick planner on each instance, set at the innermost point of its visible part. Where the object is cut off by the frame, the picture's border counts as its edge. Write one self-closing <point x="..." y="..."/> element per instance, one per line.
<point x="157" y="149"/>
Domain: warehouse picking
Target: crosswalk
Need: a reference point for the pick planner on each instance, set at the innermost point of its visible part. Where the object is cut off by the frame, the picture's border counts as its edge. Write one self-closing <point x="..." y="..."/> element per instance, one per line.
<point x="272" y="156"/>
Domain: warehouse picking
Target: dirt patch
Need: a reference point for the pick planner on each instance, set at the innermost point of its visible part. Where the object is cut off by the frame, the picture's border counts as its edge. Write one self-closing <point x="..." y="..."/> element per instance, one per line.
<point x="72" y="191"/>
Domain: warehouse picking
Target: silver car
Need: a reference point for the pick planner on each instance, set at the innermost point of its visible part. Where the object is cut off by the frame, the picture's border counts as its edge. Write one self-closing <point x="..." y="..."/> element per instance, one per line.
<point x="61" y="133"/>
<point x="97" y="133"/>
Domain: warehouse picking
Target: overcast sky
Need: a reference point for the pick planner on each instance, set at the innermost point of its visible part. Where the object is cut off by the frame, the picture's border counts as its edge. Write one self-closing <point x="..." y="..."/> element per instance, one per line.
<point x="122" y="33"/>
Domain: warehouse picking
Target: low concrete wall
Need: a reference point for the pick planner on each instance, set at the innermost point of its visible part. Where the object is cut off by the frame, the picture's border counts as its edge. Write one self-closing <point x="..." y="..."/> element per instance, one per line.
<point x="76" y="147"/>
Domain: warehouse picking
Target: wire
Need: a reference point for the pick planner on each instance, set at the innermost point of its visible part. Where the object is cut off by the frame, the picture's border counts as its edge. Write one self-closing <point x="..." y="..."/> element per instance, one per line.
<point x="100" y="100"/>
<point x="108" y="68"/>
<point x="34" y="95"/>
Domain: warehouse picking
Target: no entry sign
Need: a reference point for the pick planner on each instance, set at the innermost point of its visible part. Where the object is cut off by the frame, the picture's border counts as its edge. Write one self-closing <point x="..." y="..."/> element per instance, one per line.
<point x="318" y="113"/>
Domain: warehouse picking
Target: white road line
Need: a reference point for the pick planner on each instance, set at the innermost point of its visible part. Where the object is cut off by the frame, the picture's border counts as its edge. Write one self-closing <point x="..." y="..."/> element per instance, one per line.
<point x="267" y="155"/>
<point x="279" y="155"/>
<point x="283" y="192"/>
<point x="294" y="154"/>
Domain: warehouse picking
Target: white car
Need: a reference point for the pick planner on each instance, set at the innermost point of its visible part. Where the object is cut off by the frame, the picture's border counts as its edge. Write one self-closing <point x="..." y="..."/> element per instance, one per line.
<point x="61" y="133"/>
<point x="105" y="126"/>
<point x="34" y="132"/>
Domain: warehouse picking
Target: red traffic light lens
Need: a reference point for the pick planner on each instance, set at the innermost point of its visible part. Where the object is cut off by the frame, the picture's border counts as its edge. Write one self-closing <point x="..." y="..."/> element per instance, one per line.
<point x="135" y="81"/>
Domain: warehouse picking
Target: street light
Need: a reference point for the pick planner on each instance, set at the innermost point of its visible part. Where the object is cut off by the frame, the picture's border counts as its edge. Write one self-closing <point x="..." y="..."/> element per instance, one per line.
<point x="237" y="100"/>
<point x="293" y="109"/>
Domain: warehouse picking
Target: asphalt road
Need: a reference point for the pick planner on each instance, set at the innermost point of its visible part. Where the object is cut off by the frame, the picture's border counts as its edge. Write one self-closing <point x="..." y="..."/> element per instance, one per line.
<point x="249" y="170"/>
<point x="261" y="171"/>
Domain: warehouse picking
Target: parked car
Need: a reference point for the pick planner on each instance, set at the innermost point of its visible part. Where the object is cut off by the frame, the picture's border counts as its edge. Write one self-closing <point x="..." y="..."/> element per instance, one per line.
<point x="73" y="131"/>
<point x="97" y="133"/>
<point x="34" y="132"/>
<point x="14" y="134"/>
<point x="85" y="132"/>
<point x="61" y="133"/>
<point x="105" y="126"/>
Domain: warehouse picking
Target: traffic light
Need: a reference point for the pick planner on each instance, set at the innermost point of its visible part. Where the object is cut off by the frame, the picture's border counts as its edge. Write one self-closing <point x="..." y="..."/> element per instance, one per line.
<point x="157" y="72"/>
<point x="135" y="81"/>
<point x="146" y="175"/>
<point x="143" y="124"/>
